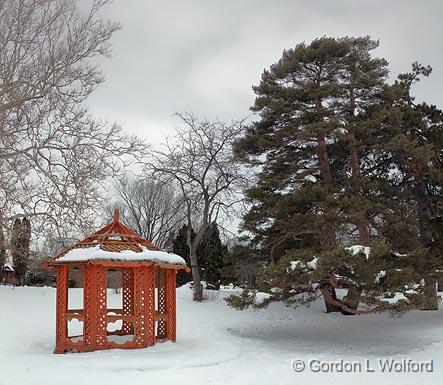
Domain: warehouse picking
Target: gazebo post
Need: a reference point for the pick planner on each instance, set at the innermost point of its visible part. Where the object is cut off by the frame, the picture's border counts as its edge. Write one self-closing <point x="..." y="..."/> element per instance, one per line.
<point x="161" y="302"/>
<point x="171" y="304"/>
<point x="61" y="309"/>
<point x="139" y="307"/>
<point x="128" y="299"/>
<point x="150" y="303"/>
<point x="89" y="301"/>
<point x="101" y="321"/>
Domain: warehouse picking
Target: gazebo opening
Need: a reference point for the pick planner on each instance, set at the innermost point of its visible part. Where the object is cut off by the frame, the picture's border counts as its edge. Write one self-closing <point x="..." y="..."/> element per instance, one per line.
<point x="115" y="257"/>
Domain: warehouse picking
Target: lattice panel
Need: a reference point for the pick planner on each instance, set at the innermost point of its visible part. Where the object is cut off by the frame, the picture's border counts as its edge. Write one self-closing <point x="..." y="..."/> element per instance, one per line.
<point x="128" y="308"/>
<point x="89" y="299"/>
<point x="140" y="330"/>
<point x="171" y="304"/>
<point x="161" y="302"/>
<point x="62" y="306"/>
<point x="101" y="320"/>
<point x="150" y="303"/>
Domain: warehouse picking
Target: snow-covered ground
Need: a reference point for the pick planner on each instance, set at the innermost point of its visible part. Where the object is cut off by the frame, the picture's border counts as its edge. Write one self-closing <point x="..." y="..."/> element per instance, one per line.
<point x="219" y="345"/>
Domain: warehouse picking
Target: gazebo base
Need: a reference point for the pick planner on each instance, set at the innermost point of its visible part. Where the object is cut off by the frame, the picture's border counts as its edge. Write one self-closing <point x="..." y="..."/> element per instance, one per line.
<point x="72" y="347"/>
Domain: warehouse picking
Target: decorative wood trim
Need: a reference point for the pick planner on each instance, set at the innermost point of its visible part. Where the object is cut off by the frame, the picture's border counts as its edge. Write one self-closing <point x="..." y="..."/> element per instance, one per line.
<point x="121" y="264"/>
<point x="171" y="305"/>
<point x="61" y="309"/>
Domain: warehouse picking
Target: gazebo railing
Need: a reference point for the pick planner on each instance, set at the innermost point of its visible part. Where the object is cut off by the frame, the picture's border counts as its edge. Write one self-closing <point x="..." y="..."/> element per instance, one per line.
<point x="147" y="314"/>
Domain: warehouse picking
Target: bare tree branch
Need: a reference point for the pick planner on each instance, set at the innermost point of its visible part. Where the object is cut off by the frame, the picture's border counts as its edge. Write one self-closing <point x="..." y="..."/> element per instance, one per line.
<point x="200" y="162"/>
<point x="54" y="156"/>
<point x="153" y="208"/>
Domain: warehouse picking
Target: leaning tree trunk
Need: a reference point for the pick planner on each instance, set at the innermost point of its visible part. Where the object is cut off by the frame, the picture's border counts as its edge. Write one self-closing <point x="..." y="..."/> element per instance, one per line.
<point x="351" y="300"/>
<point x="328" y="292"/>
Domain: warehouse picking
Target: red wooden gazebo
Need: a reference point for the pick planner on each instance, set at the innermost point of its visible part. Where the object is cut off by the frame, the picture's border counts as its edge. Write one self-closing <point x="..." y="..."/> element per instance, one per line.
<point x="148" y="311"/>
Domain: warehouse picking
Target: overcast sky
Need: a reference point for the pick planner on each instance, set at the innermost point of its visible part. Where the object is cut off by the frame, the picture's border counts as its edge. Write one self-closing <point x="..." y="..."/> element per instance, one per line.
<point x="203" y="56"/>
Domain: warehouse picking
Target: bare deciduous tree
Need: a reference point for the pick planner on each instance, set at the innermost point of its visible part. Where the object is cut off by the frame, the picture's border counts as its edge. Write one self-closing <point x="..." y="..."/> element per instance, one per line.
<point x="200" y="162"/>
<point x="152" y="208"/>
<point x="54" y="156"/>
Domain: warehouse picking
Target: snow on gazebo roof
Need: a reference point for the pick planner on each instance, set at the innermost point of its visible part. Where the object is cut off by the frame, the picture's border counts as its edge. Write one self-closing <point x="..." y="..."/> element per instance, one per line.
<point x="117" y="242"/>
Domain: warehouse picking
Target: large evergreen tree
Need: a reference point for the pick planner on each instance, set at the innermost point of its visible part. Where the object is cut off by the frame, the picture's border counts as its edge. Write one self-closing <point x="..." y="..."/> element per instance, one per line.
<point x="324" y="182"/>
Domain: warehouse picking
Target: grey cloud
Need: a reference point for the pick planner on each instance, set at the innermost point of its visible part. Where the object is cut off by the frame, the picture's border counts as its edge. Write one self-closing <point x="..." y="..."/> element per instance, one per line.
<point x="203" y="56"/>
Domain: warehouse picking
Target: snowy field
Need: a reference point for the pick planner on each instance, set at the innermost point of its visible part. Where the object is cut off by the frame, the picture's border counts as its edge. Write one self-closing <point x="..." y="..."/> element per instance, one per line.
<point x="219" y="345"/>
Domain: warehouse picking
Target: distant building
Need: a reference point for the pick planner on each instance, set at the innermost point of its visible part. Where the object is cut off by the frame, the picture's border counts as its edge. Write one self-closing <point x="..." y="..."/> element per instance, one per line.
<point x="8" y="271"/>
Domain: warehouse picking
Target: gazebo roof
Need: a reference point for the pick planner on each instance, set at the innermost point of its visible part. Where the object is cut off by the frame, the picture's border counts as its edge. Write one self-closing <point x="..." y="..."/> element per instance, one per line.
<point x="117" y="242"/>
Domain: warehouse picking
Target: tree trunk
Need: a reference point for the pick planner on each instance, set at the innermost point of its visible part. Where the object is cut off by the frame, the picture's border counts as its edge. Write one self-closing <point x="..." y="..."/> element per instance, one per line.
<point x="322" y="154"/>
<point x="423" y="203"/>
<point x="363" y="231"/>
<point x="362" y="222"/>
<point x="197" y="286"/>
<point x="328" y="291"/>
<point x="352" y="299"/>
<point x="431" y="298"/>
<point x="192" y="245"/>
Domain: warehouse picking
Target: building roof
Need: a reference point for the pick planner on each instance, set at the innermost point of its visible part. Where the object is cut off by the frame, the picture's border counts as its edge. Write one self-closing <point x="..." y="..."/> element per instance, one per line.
<point x="117" y="242"/>
<point x="8" y="267"/>
<point x="9" y="263"/>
